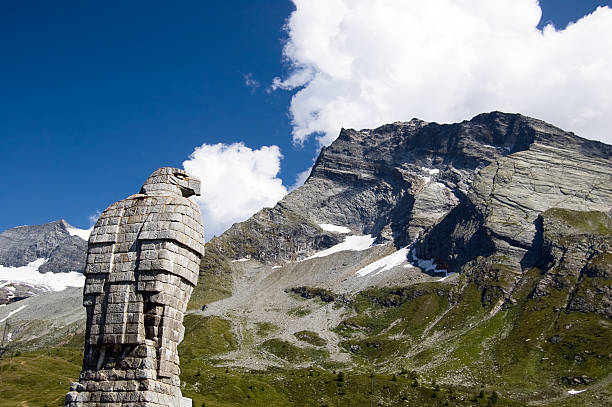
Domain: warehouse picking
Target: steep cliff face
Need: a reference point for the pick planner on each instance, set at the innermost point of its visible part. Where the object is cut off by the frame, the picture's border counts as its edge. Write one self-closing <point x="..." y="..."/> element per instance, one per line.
<point x="24" y="244"/>
<point x="463" y="190"/>
<point x="500" y="212"/>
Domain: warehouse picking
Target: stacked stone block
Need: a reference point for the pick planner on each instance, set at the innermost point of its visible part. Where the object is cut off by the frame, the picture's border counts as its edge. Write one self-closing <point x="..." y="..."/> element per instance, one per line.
<point x="142" y="264"/>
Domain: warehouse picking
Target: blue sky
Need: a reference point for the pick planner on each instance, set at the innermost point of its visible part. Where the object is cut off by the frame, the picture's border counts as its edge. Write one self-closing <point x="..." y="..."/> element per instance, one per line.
<point x="95" y="96"/>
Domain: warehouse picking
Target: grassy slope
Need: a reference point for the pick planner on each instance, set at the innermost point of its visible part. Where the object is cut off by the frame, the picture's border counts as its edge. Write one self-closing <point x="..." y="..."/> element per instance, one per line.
<point x="510" y="353"/>
<point x="215" y="281"/>
<point x="410" y="336"/>
<point x="211" y="385"/>
<point x="40" y="378"/>
<point x="43" y="377"/>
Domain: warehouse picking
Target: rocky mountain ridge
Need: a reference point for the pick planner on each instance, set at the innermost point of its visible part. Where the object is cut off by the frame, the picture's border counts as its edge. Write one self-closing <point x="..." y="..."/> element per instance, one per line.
<point x="57" y="246"/>
<point x="54" y="241"/>
<point x="491" y="175"/>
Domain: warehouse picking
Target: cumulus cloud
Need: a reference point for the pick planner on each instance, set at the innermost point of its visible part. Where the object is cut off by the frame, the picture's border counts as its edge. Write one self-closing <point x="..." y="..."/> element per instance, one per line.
<point x="237" y="181"/>
<point x="362" y="63"/>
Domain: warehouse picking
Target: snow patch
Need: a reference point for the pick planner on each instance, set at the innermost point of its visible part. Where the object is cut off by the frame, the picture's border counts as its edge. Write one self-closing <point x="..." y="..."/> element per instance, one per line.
<point x="430" y="266"/>
<point x="441" y="185"/>
<point x="446" y="275"/>
<point x="82" y="233"/>
<point x="37" y="263"/>
<point x="355" y="243"/>
<point x="328" y="227"/>
<point x="386" y="263"/>
<point x="239" y="260"/>
<point x="12" y="313"/>
<point x="276" y="267"/>
<point x="430" y="171"/>
<point x="575" y="391"/>
<point x="51" y="281"/>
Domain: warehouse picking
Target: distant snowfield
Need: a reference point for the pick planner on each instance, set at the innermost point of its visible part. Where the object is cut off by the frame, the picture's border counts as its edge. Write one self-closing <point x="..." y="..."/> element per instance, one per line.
<point x="355" y="243"/>
<point x="386" y="263"/>
<point x="82" y="233"/>
<point x="328" y="227"/>
<point x="29" y="274"/>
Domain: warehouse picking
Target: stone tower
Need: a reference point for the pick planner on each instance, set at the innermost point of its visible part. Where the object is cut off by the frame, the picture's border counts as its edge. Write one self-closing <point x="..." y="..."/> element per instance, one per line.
<point x="143" y="260"/>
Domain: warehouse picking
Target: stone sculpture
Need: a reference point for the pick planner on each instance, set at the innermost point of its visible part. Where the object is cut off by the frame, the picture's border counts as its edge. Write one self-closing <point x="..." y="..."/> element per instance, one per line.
<point x="142" y="264"/>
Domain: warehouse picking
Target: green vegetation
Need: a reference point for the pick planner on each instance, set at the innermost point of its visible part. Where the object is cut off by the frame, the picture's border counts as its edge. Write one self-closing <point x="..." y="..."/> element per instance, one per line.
<point x="39" y="378"/>
<point x="316" y="387"/>
<point x="205" y="337"/>
<point x="299" y="311"/>
<point x="215" y="281"/>
<point x="504" y="346"/>
<point x="394" y="311"/>
<point x="602" y="261"/>
<point x="210" y="288"/>
<point x="265" y="328"/>
<point x="310" y="337"/>
<point x="313" y="292"/>
<point x="487" y="330"/>
<point x="492" y="351"/>
<point x="291" y="353"/>
<point x="584" y="221"/>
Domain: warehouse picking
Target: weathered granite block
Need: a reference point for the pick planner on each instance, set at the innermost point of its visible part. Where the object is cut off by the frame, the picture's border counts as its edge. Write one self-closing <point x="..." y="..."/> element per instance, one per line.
<point x="142" y="264"/>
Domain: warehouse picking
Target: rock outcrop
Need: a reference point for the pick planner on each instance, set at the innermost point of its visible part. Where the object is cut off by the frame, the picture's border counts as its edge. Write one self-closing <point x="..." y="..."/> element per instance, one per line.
<point x="142" y="264"/>
<point x="24" y="244"/>
<point x="577" y="258"/>
<point x="500" y="212"/>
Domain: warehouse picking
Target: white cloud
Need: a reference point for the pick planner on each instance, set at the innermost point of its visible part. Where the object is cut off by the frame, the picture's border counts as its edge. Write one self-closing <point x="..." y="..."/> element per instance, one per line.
<point x="93" y="218"/>
<point x="362" y="63"/>
<point x="236" y="182"/>
<point x="250" y="82"/>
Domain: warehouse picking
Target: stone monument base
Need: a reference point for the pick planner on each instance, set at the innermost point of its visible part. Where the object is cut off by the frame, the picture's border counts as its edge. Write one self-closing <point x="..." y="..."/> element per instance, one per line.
<point x="126" y="380"/>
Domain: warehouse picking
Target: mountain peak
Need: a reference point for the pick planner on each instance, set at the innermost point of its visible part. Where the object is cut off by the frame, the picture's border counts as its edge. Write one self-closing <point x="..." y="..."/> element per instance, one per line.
<point x="399" y="180"/>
